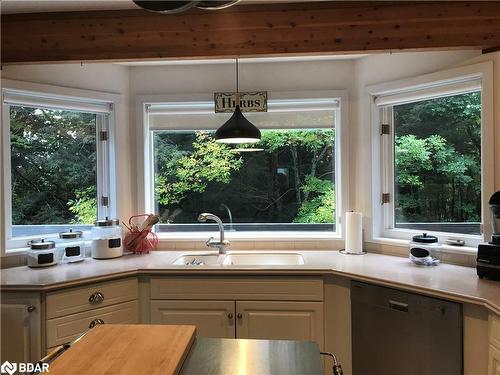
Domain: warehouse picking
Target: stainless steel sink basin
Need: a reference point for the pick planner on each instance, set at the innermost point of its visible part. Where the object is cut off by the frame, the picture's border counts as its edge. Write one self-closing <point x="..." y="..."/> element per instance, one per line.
<point x="198" y="260"/>
<point x="263" y="259"/>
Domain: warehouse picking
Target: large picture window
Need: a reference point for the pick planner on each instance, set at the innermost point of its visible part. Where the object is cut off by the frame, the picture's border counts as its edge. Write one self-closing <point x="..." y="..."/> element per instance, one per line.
<point x="56" y="164"/>
<point x="286" y="182"/>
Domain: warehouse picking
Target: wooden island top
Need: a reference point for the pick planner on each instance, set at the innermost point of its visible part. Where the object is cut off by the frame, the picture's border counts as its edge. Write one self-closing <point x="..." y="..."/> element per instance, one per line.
<point x="127" y="349"/>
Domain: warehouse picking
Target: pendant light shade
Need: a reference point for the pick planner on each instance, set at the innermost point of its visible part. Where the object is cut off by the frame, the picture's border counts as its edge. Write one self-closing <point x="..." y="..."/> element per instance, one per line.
<point x="237" y="129"/>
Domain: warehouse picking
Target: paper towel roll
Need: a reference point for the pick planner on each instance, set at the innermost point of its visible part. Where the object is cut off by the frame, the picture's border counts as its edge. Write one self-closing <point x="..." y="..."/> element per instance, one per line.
<point x="353" y="232"/>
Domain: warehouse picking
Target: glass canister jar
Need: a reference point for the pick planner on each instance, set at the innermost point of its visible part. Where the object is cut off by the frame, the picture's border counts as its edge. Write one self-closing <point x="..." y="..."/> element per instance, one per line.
<point x="42" y="253"/>
<point x="426" y="242"/>
<point x="107" y="239"/>
<point x="72" y="246"/>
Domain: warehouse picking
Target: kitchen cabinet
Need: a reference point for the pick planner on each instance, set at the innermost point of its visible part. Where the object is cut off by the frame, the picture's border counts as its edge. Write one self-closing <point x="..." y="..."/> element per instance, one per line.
<point x="89" y="297"/>
<point x="21" y="327"/>
<point x="280" y="320"/>
<point x="67" y="328"/>
<point x="72" y="311"/>
<point x="211" y="318"/>
<point x="266" y="308"/>
<point x="245" y="319"/>
<point x="494" y="361"/>
<point x="494" y="352"/>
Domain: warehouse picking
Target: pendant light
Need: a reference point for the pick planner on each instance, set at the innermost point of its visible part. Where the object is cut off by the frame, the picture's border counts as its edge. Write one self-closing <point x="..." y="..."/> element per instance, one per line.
<point x="237" y="129"/>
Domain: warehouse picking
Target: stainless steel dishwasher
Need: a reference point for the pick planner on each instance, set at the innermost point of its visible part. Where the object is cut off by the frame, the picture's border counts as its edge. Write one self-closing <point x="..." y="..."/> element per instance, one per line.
<point x="400" y="333"/>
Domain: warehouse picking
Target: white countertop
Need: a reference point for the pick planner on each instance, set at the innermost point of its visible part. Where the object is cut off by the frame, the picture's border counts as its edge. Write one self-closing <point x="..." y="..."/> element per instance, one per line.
<point x="447" y="281"/>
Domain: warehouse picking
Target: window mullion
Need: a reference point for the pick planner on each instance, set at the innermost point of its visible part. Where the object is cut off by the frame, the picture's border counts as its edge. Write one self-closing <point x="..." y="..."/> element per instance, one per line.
<point x="391" y="168"/>
<point x="7" y="178"/>
<point x="102" y="148"/>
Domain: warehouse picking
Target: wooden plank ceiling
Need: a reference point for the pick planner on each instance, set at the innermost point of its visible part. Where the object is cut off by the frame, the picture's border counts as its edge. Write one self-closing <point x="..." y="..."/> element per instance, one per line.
<point x="250" y="30"/>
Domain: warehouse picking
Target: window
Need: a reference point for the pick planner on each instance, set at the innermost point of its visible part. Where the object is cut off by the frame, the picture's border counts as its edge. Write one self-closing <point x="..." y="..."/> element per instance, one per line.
<point x="286" y="182"/>
<point x="437" y="164"/>
<point x="435" y="171"/>
<point x="56" y="163"/>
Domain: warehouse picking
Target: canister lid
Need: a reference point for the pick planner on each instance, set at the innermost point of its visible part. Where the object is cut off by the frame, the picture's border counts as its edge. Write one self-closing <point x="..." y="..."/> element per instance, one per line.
<point x="107" y="222"/>
<point x="41" y="244"/>
<point x="71" y="234"/>
<point x="424" y="238"/>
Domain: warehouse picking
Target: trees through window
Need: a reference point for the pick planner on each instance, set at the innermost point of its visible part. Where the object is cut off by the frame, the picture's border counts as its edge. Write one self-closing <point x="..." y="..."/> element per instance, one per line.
<point x="437" y="164"/>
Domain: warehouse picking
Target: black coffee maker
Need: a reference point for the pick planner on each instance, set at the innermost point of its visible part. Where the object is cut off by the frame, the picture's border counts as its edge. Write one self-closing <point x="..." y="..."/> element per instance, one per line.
<point x="488" y="254"/>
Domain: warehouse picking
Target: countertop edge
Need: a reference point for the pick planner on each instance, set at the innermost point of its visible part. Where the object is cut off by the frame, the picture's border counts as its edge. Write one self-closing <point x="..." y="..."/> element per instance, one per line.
<point x="252" y="271"/>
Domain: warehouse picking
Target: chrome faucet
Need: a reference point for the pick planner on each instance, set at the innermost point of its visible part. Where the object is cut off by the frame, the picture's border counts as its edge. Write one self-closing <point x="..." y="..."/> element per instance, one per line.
<point x="224" y="206"/>
<point x="222" y="243"/>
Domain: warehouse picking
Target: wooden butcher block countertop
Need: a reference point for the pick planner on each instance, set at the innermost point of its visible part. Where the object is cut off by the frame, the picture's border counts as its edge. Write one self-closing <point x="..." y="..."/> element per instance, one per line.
<point x="127" y="349"/>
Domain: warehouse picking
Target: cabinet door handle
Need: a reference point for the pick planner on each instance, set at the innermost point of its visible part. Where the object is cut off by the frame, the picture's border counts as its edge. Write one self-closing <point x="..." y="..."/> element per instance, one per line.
<point x="95" y="322"/>
<point x="239" y="316"/>
<point x="399" y="306"/>
<point x="31" y="308"/>
<point x="96" y="298"/>
<point x="230" y="316"/>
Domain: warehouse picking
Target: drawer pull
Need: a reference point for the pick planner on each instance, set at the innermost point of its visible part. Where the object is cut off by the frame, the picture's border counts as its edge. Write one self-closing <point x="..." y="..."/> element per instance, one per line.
<point x="96" y="298"/>
<point x="31" y="308"/>
<point x="399" y="306"/>
<point x="239" y="316"/>
<point x="230" y="316"/>
<point x="95" y="322"/>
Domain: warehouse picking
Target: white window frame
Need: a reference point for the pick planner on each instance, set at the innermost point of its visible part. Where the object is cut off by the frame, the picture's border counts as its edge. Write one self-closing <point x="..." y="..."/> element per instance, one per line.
<point x="18" y="93"/>
<point x="421" y="88"/>
<point x="145" y="187"/>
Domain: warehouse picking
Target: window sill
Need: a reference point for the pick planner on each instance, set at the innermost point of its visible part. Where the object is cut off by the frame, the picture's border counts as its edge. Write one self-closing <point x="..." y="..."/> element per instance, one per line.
<point x="403" y="244"/>
<point x="250" y="236"/>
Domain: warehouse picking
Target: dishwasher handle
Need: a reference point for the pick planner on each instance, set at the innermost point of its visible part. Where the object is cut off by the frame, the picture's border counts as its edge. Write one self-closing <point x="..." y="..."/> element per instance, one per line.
<point x="399" y="306"/>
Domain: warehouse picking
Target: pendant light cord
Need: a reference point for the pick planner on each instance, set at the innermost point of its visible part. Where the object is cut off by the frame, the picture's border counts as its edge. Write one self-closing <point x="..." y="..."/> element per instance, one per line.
<point x="237" y="84"/>
<point x="237" y="77"/>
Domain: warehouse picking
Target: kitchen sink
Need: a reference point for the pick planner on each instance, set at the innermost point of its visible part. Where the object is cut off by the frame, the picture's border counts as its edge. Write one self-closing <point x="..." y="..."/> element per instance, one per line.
<point x="198" y="260"/>
<point x="241" y="259"/>
<point x="263" y="259"/>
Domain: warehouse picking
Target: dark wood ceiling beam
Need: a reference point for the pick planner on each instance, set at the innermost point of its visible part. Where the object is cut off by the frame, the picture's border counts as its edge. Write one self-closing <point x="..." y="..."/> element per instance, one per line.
<point x="251" y="30"/>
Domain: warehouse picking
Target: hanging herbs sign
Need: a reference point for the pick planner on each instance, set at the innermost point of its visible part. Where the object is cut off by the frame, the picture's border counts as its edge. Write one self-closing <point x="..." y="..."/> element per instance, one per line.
<point x="250" y="101"/>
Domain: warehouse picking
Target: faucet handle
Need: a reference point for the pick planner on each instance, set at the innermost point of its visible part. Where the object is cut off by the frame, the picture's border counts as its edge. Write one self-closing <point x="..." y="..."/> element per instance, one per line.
<point x="209" y="242"/>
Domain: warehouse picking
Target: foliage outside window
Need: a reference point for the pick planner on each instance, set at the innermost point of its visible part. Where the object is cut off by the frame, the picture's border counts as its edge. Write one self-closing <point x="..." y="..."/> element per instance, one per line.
<point x="53" y="169"/>
<point x="288" y="185"/>
<point x="438" y="164"/>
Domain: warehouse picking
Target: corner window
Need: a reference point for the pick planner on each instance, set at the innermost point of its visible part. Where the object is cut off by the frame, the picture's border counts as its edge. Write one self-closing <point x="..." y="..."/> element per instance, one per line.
<point x="437" y="164"/>
<point x="57" y="174"/>
<point x="431" y="163"/>
<point x="286" y="182"/>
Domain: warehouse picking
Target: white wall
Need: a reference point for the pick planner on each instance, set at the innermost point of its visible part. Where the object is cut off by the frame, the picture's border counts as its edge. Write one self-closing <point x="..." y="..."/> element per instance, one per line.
<point x="110" y="78"/>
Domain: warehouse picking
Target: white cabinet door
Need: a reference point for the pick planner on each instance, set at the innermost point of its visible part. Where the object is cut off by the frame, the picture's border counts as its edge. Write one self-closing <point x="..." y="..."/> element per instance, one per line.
<point x="20" y="332"/>
<point x="280" y="320"/>
<point x="211" y="318"/>
<point x="494" y="361"/>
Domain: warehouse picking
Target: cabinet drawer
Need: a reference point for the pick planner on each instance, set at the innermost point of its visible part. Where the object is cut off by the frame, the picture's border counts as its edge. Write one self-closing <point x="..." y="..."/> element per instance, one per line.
<point x="495" y="331"/>
<point x="66" y="329"/>
<point x="234" y="288"/>
<point x="89" y="297"/>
